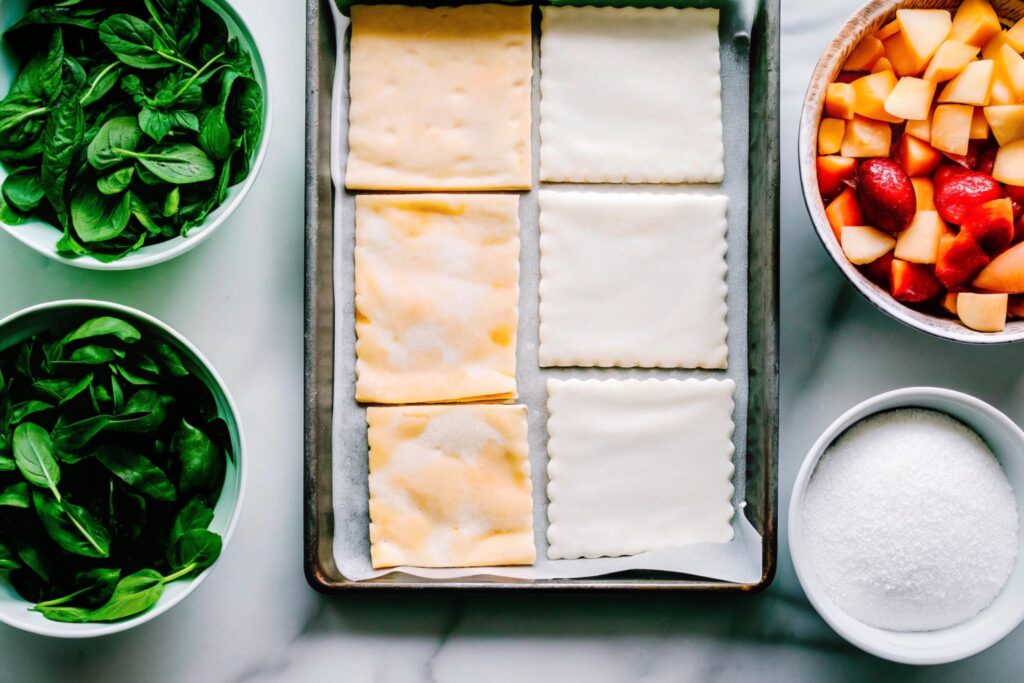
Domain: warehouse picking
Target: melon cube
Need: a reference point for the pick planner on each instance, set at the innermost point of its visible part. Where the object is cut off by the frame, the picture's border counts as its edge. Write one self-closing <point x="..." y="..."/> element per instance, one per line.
<point x="866" y="138"/>
<point x="1010" y="66"/>
<point x="910" y="99"/>
<point x="993" y="46"/>
<point x="890" y="29"/>
<point x="840" y="99"/>
<point x="864" y="56"/>
<point x="863" y="244"/>
<point x="1009" y="166"/>
<point x="972" y="85"/>
<point x="979" y="124"/>
<point x="830" y="136"/>
<point x="919" y="242"/>
<point x="1015" y="36"/>
<point x="922" y="130"/>
<point x="949" y="302"/>
<point x="1006" y="121"/>
<point x="975" y="22"/>
<point x="871" y="92"/>
<point x="1001" y="92"/>
<point x="951" y="128"/>
<point x="882" y="64"/>
<point x="921" y="33"/>
<point x="982" y="312"/>
<point x="950" y="60"/>
<point x="924" y="190"/>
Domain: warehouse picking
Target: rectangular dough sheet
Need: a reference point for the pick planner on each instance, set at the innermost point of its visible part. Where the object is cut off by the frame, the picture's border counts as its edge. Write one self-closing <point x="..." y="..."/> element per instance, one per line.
<point x="440" y="98"/>
<point x="450" y="486"/>
<point x="436" y="295"/>
<point x="638" y="465"/>
<point x="630" y="95"/>
<point x="633" y="279"/>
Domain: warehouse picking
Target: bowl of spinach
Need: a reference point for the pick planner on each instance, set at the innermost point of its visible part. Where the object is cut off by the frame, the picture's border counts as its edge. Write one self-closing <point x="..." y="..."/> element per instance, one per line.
<point x="129" y="129"/>
<point x="121" y="471"/>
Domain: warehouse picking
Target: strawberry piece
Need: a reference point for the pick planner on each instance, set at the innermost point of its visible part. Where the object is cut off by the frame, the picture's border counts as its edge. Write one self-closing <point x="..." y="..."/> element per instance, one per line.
<point x="834" y="174"/>
<point x="991" y="224"/>
<point x="913" y="282"/>
<point x="957" y="190"/>
<point x="917" y="157"/>
<point x="880" y="270"/>
<point x="1014" y="192"/>
<point x="987" y="160"/>
<point x="844" y="210"/>
<point x="886" y="194"/>
<point x="959" y="259"/>
<point x="969" y="160"/>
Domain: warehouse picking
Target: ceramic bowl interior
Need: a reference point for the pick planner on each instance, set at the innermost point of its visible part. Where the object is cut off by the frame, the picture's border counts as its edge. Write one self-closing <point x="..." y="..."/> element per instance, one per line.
<point x="932" y="647"/>
<point x="14" y="611"/>
<point x="42" y="236"/>
<point x="867" y="19"/>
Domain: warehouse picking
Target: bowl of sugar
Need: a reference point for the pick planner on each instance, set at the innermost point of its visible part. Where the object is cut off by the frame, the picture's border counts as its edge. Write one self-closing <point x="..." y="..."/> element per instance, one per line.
<point x="904" y="527"/>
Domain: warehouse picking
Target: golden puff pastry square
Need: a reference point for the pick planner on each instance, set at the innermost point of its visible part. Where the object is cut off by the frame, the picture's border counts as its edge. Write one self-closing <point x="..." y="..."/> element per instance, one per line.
<point x="440" y="98"/>
<point x="437" y="298"/>
<point x="450" y="486"/>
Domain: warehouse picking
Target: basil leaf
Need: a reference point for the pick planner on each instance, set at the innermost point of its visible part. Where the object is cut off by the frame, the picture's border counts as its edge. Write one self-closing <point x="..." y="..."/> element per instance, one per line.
<point x="137" y="472"/>
<point x="195" y="551"/>
<point x="22" y="190"/>
<point x="62" y="138"/>
<point x="103" y="326"/>
<point x="71" y="527"/>
<point x="178" y="164"/>
<point x="133" y="595"/>
<point x="115" y="137"/>
<point x="201" y="460"/>
<point x="33" y="453"/>
<point x="98" y="217"/>
<point x="117" y="182"/>
<point x="135" y="43"/>
<point x="16" y="496"/>
<point x="196" y="514"/>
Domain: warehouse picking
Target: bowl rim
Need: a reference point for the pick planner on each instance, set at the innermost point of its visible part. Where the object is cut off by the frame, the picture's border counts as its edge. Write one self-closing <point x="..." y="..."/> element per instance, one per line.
<point x="868" y="17"/>
<point x="61" y="630"/>
<point x="908" y="397"/>
<point x="202" y="232"/>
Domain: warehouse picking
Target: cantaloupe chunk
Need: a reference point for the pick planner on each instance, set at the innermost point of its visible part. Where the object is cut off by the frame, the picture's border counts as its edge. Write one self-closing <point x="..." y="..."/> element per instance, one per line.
<point x="1006" y="122"/>
<point x="950" y="60"/>
<point x="1015" y="36"/>
<point x="975" y="22"/>
<point x="882" y="64"/>
<point x="949" y="302"/>
<point x="971" y="86"/>
<point x="863" y="244"/>
<point x="830" y="136"/>
<point x="864" y="56"/>
<point x="994" y="44"/>
<point x="840" y="99"/>
<point x="982" y="312"/>
<point x="1009" y="166"/>
<point x="924" y="190"/>
<point x="1005" y="273"/>
<point x="979" y="124"/>
<point x="951" y="128"/>
<point x="871" y="92"/>
<point x="921" y="33"/>
<point x="1010" y="66"/>
<point x="922" y="130"/>
<point x="910" y="99"/>
<point x="867" y="138"/>
<point x="1001" y="91"/>
<point x="919" y="242"/>
<point x="890" y="29"/>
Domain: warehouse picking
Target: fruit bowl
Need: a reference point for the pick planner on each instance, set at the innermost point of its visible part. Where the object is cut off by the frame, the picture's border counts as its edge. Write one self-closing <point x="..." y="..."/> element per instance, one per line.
<point x="867" y="20"/>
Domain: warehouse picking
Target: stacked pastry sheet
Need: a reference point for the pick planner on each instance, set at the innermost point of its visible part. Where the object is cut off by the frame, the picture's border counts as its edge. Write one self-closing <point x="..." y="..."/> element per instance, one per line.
<point x="632" y="275"/>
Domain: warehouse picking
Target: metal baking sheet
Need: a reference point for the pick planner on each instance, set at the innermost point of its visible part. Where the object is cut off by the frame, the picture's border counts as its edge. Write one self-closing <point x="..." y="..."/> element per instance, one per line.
<point x="756" y="331"/>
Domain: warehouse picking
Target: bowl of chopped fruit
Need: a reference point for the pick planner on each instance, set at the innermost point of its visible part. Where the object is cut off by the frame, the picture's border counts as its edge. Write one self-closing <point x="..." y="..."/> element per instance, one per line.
<point x="912" y="163"/>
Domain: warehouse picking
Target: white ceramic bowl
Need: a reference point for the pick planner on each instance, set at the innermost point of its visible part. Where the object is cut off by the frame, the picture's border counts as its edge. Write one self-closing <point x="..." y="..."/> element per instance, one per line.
<point x="14" y="611"/>
<point x="932" y="647"/>
<point x="867" y="19"/>
<point x="43" y="237"/>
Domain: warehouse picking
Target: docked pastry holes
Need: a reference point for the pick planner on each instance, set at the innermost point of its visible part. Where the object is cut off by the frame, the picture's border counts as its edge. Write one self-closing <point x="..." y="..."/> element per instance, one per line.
<point x="450" y="486"/>
<point x="632" y="279"/>
<point x="436" y="296"/>
<point x="638" y="465"/>
<point x="630" y="95"/>
<point x="440" y="98"/>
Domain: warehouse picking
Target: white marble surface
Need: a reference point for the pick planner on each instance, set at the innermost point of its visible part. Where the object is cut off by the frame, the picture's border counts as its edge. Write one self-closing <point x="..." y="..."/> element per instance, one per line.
<point x="239" y="297"/>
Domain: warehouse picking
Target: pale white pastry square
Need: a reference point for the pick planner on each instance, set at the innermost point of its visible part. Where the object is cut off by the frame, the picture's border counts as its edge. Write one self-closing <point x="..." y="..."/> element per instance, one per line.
<point x="450" y="486"/>
<point x="630" y="95"/>
<point x="436" y="297"/>
<point x="632" y="279"/>
<point x="638" y="465"/>
<point x="440" y="98"/>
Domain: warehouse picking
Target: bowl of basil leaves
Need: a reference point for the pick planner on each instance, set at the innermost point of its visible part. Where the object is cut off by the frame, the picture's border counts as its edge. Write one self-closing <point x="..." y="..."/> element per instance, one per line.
<point x="129" y="129"/>
<point x="121" y="470"/>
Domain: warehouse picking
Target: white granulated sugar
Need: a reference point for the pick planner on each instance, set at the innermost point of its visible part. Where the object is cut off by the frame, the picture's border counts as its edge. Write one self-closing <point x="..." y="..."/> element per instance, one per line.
<point x="909" y="522"/>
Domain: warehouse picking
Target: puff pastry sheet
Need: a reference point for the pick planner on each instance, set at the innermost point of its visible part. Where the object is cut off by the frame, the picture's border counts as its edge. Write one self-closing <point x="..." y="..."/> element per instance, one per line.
<point x="450" y="486"/>
<point x="440" y="98"/>
<point x="632" y="279"/>
<point x="630" y="95"/>
<point x="436" y="296"/>
<point x="638" y="465"/>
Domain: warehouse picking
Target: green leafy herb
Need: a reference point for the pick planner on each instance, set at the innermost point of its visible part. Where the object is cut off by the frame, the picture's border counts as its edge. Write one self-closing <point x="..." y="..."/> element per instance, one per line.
<point x="33" y="453"/>
<point x="73" y="528"/>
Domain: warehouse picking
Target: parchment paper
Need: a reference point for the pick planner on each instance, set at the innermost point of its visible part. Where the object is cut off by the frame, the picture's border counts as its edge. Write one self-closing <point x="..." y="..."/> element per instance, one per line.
<point x="739" y="560"/>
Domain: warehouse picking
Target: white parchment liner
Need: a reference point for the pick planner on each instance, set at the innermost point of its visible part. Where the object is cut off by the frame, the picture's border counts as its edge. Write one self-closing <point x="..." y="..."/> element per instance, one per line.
<point x="739" y="560"/>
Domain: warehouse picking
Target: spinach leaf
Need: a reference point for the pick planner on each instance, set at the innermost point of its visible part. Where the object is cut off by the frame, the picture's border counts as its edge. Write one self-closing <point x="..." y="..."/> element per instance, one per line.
<point x="37" y="559"/>
<point x="62" y="390"/>
<point x="21" y="119"/>
<point x="135" y="43"/>
<point x="98" y="217"/>
<point x="94" y="586"/>
<point x="73" y="528"/>
<point x="137" y="472"/>
<point x="63" y="14"/>
<point x="170" y="360"/>
<point x="93" y="354"/>
<point x="62" y="138"/>
<point x="33" y="454"/>
<point x="134" y="594"/>
<point x="104" y="326"/>
<point x="201" y="460"/>
<point x="179" y="163"/>
<point x="193" y="552"/>
<point x="42" y="75"/>
<point x="7" y="464"/>
<point x="21" y="410"/>
<point x="116" y="182"/>
<point x="116" y="137"/>
<point x="100" y="81"/>
<point x="196" y="514"/>
<point x="23" y="190"/>
<point x="145" y="411"/>
<point x="16" y="496"/>
<point x="156" y="124"/>
<point x="8" y="561"/>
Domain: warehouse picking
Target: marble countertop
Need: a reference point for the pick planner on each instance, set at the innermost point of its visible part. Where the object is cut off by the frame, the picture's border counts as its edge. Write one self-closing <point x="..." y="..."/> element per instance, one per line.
<point x="239" y="298"/>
